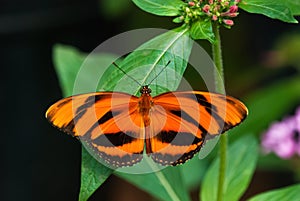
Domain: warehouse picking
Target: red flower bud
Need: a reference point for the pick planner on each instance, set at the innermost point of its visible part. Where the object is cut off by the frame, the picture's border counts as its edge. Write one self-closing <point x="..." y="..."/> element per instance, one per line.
<point x="233" y="9"/>
<point x="214" y="18"/>
<point x="191" y="3"/>
<point x="228" y="22"/>
<point x="232" y="14"/>
<point x="206" y="8"/>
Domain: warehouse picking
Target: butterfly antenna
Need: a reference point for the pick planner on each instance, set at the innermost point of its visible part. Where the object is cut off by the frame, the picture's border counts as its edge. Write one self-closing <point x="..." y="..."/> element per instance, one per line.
<point x="160" y="72"/>
<point x="126" y="73"/>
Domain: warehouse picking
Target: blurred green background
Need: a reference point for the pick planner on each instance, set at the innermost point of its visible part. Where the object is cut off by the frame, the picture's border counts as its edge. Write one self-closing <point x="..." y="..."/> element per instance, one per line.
<point x="261" y="60"/>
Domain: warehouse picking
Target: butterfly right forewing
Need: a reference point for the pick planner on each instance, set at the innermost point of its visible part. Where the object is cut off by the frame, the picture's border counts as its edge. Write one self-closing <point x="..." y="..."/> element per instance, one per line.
<point x="192" y="117"/>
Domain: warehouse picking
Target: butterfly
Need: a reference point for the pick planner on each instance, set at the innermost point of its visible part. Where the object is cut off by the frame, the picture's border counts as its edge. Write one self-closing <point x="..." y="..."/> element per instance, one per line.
<point x="170" y="128"/>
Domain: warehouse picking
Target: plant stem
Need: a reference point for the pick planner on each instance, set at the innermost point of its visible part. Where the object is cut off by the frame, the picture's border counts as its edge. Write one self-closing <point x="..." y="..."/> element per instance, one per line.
<point x="219" y="86"/>
<point x="217" y="57"/>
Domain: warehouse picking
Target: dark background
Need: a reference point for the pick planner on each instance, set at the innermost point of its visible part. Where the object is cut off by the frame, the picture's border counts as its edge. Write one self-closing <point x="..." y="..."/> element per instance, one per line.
<point x="37" y="161"/>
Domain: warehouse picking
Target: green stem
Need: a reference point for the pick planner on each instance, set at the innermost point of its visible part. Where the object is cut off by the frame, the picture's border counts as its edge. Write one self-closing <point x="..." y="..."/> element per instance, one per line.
<point x="217" y="56"/>
<point x="163" y="180"/>
<point x="219" y="82"/>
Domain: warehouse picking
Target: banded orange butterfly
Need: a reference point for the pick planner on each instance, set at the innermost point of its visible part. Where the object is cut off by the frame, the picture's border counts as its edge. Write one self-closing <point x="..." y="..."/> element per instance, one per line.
<point x="170" y="128"/>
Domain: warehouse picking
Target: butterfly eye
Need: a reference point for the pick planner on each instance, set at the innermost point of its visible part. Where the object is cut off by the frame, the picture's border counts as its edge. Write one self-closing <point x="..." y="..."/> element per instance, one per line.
<point x="142" y="90"/>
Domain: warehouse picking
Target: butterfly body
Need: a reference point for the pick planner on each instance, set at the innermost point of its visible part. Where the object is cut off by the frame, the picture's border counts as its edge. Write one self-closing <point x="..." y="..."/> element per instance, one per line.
<point x="171" y="127"/>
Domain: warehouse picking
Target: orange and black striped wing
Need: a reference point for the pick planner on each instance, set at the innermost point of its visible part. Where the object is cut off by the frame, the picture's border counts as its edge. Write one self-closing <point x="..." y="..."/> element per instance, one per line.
<point x="107" y="123"/>
<point x="189" y="119"/>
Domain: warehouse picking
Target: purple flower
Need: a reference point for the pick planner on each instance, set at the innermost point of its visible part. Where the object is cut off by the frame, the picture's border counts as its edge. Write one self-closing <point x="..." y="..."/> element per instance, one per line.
<point x="283" y="138"/>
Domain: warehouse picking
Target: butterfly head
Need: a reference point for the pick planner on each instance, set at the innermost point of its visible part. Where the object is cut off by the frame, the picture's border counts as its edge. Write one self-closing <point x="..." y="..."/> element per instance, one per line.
<point x="145" y="90"/>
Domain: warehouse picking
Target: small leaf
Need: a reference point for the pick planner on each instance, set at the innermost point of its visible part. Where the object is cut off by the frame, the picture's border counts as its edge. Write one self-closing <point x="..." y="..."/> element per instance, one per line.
<point x="273" y="9"/>
<point x="159" y="7"/>
<point x="202" y="30"/>
<point x="283" y="194"/>
<point x="93" y="174"/>
<point x="242" y="157"/>
<point x="178" y="19"/>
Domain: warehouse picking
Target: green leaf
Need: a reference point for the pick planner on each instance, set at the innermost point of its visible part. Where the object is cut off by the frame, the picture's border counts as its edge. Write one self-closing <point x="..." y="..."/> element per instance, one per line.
<point x="151" y="57"/>
<point x="193" y="172"/>
<point x="143" y="65"/>
<point x="242" y="157"/>
<point x="273" y="9"/>
<point x="284" y="194"/>
<point x="93" y="174"/>
<point x="202" y="30"/>
<point x="154" y="54"/>
<point x="67" y="62"/>
<point x="165" y="185"/>
<point x="159" y="7"/>
<point x="293" y="5"/>
<point x="148" y="60"/>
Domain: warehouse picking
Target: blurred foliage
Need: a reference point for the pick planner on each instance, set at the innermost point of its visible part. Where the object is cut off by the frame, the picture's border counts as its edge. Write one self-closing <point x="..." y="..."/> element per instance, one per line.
<point x="285" y="52"/>
<point x="290" y="193"/>
<point x="242" y="158"/>
<point x="114" y="9"/>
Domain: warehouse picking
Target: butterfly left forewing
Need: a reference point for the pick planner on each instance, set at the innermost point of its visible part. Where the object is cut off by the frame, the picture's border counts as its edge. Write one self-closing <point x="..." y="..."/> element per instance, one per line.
<point x="191" y="117"/>
<point x="107" y="123"/>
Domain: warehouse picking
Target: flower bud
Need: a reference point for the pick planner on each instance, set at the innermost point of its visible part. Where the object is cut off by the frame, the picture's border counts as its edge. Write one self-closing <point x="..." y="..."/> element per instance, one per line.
<point x="232" y="14"/>
<point x="228" y="22"/>
<point x="214" y="18"/>
<point x="191" y="3"/>
<point x="233" y="9"/>
<point x="206" y="8"/>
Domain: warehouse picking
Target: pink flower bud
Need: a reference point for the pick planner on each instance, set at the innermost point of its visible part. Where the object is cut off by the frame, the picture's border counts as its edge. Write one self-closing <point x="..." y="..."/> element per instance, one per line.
<point x="191" y="3"/>
<point x="232" y="14"/>
<point x="214" y="18"/>
<point x="206" y="8"/>
<point x="210" y="1"/>
<point x="237" y="1"/>
<point x="228" y="22"/>
<point x="233" y="9"/>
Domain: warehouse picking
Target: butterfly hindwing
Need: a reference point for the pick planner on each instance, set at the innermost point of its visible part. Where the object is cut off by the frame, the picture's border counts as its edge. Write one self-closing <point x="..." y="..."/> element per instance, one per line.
<point x="107" y="123"/>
